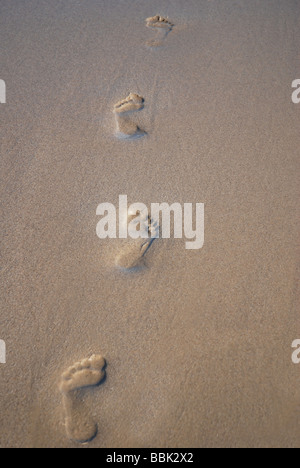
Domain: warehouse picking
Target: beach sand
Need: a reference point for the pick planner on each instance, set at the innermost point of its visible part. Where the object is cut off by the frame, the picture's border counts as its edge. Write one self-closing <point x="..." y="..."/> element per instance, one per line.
<point x="197" y="343"/>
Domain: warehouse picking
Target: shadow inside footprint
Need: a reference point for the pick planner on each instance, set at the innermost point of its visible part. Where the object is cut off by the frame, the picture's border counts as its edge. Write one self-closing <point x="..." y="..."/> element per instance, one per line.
<point x="128" y="130"/>
<point x="79" y="422"/>
<point x="132" y="258"/>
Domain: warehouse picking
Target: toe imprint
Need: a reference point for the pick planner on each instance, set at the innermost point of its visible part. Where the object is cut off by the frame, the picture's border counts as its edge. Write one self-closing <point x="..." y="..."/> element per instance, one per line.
<point x="159" y="22"/>
<point x="133" y="102"/>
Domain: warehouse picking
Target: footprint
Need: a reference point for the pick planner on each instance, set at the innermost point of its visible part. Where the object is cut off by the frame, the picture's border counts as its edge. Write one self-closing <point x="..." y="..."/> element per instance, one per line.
<point x="78" y="421"/>
<point x="132" y="256"/>
<point x="164" y="28"/>
<point x="125" y="127"/>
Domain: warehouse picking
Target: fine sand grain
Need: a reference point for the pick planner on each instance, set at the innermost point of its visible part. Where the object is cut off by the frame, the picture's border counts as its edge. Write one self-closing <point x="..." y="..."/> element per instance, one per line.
<point x="197" y="343"/>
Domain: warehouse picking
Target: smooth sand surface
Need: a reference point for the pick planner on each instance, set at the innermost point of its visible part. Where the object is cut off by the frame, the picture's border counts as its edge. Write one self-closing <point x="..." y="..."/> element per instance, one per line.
<point x="198" y="344"/>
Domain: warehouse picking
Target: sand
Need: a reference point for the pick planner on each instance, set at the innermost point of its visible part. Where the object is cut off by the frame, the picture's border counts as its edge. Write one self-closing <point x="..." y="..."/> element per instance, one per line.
<point x="197" y="343"/>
